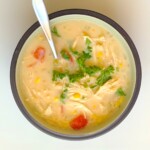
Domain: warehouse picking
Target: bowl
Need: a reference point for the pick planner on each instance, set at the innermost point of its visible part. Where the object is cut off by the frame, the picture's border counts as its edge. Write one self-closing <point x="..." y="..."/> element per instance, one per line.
<point x="119" y="33"/>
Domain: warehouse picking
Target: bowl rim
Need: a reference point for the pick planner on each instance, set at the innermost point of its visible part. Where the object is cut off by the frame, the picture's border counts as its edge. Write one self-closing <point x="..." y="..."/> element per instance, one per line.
<point x="134" y="52"/>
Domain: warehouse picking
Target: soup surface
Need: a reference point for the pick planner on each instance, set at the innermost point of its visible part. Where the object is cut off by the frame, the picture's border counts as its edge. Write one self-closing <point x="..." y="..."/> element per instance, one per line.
<point x="82" y="91"/>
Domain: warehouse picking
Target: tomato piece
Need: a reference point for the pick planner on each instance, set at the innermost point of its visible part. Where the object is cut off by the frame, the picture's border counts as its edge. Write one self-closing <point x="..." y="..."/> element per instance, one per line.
<point x="79" y="122"/>
<point x="39" y="53"/>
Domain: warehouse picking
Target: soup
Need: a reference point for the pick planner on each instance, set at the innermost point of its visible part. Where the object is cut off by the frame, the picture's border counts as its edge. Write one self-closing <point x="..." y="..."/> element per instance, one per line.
<point x="82" y="91"/>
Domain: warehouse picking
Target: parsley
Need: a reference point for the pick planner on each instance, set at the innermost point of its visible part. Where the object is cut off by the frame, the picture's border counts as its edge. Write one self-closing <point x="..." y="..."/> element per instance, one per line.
<point x="87" y="42"/>
<point x="105" y="75"/>
<point x="63" y="95"/>
<point x="120" y="92"/>
<point x="76" y="76"/>
<point x="93" y="86"/>
<point x="91" y="70"/>
<point x="58" y="75"/>
<point x="81" y="60"/>
<point x="88" y="45"/>
<point x="74" y="51"/>
<point x="84" y="55"/>
<point x="65" y="54"/>
<point x="55" y="31"/>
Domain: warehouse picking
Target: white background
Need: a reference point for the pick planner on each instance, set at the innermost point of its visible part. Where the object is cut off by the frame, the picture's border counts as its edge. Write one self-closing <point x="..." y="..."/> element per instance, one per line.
<point x="16" y="133"/>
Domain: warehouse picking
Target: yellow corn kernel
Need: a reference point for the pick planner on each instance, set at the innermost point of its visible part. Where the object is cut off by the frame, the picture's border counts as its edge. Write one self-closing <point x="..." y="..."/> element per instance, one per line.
<point x="120" y="65"/>
<point x="56" y="99"/>
<point x="99" y="54"/>
<point x="76" y="95"/>
<point x="119" y="101"/>
<point x="37" y="80"/>
<point x="74" y="112"/>
<point x="41" y="37"/>
<point x="99" y="43"/>
<point x="86" y="34"/>
<point x="94" y="106"/>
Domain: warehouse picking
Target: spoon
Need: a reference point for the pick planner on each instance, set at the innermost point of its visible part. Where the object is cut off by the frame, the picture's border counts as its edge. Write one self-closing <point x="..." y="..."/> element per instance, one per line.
<point x="41" y="13"/>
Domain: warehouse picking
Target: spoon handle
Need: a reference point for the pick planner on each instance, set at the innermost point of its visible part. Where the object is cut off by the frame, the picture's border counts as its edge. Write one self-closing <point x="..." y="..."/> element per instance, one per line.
<point x="42" y="16"/>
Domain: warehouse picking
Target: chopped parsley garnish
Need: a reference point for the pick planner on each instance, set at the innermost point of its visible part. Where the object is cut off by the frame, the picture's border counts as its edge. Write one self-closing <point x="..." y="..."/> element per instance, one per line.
<point x="88" y="44"/>
<point x="63" y="95"/>
<point x="106" y="75"/>
<point x="58" y="75"/>
<point x="91" y="70"/>
<point x="83" y="69"/>
<point x="86" y="54"/>
<point x="74" y="52"/>
<point x="55" y="31"/>
<point x="76" y="76"/>
<point x="120" y="92"/>
<point x="65" y="54"/>
<point x="81" y="60"/>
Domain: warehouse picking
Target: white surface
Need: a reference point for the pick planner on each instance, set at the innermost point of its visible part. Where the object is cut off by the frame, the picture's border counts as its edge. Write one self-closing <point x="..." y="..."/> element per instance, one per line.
<point x="16" y="133"/>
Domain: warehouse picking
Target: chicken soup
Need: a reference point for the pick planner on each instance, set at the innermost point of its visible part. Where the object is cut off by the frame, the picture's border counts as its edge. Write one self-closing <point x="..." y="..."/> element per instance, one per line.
<point x="83" y="90"/>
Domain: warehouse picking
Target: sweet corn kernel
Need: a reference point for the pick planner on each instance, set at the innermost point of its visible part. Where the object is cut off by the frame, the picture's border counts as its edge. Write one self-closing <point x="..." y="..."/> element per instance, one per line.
<point x="94" y="106"/>
<point x="86" y="34"/>
<point x="74" y="112"/>
<point x="99" y="43"/>
<point x="56" y="99"/>
<point x="76" y="95"/>
<point x="120" y="65"/>
<point x="37" y="80"/>
<point x="41" y="37"/>
<point x="99" y="54"/>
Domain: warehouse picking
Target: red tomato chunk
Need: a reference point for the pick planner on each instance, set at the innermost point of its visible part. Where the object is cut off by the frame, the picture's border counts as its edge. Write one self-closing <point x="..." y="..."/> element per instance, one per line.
<point x="39" y="53"/>
<point x="79" y="122"/>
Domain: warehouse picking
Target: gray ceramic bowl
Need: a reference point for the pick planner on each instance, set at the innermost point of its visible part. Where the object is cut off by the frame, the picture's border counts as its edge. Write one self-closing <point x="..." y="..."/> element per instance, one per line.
<point x="116" y="30"/>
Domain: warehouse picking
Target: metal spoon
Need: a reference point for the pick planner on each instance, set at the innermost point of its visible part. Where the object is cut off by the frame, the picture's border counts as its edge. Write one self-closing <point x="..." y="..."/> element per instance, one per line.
<point x="42" y="16"/>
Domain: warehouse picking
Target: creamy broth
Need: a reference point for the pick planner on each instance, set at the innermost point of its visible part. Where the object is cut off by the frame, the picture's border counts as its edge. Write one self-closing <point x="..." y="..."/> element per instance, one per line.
<point x="85" y="89"/>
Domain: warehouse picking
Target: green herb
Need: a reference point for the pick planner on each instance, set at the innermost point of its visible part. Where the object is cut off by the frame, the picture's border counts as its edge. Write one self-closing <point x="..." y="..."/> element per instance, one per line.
<point x="55" y="31"/>
<point x="65" y="54"/>
<point x="76" y="76"/>
<point x="67" y="84"/>
<point x="63" y="95"/>
<point x="85" y="85"/>
<point x="88" y="44"/>
<point x="81" y="60"/>
<point x="84" y="55"/>
<point x="120" y="92"/>
<point x="91" y="70"/>
<point x="58" y="75"/>
<point x="106" y="75"/>
<point x="74" y="51"/>
<point x="93" y="86"/>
